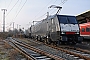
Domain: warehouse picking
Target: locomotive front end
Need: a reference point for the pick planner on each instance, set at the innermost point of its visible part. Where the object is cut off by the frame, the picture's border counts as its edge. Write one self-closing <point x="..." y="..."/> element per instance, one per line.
<point x="69" y="29"/>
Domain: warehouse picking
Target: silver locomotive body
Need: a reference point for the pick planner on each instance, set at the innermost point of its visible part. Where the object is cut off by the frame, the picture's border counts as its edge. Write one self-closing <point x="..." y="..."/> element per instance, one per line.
<point x="57" y="28"/>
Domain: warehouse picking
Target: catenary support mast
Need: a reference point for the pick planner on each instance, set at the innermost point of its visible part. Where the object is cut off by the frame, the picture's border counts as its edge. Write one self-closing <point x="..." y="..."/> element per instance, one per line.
<point x="4" y="19"/>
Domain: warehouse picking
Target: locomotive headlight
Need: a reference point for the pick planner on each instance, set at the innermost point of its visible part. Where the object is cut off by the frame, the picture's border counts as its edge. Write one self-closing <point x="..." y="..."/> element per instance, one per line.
<point x="62" y="32"/>
<point x="47" y="37"/>
<point x="77" y="32"/>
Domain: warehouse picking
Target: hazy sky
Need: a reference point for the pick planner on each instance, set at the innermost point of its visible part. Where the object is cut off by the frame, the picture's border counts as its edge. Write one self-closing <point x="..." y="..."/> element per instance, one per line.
<point x="23" y="12"/>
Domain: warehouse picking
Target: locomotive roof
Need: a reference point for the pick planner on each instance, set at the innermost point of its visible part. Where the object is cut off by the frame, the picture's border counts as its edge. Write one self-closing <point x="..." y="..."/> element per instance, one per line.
<point x="50" y="17"/>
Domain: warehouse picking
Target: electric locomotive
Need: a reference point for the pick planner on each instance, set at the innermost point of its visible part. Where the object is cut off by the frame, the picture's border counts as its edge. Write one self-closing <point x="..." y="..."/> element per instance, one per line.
<point x="57" y="29"/>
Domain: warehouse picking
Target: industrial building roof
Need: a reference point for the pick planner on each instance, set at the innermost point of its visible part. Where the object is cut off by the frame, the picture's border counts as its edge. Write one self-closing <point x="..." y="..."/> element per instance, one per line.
<point x="82" y="17"/>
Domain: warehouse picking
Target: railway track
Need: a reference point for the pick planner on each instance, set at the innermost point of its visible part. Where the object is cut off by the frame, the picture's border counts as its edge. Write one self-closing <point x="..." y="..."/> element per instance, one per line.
<point x="66" y="52"/>
<point x="79" y="53"/>
<point x="73" y="51"/>
<point x="84" y="45"/>
<point x="31" y="52"/>
<point x="16" y="48"/>
<point x="76" y="53"/>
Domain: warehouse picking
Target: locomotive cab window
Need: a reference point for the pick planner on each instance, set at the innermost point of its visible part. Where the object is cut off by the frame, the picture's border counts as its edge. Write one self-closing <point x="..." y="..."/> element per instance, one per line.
<point x="63" y="20"/>
<point x="83" y="29"/>
<point x="67" y="19"/>
<point x="72" y="20"/>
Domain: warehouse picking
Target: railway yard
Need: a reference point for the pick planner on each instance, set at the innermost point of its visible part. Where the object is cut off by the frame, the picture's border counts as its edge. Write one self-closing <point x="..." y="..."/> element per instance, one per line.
<point x="64" y="35"/>
<point x="29" y="49"/>
<point x="51" y="39"/>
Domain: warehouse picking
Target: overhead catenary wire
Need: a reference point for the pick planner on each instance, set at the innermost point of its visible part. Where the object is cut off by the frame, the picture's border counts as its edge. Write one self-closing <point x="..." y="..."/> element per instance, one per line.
<point x="19" y="6"/>
<point x="62" y="2"/>
<point x="41" y="10"/>
<point x="41" y="16"/>
<point x="20" y="10"/>
<point x="12" y="7"/>
<point x="46" y="13"/>
<point x="9" y="4"/>
<point x="5" y="3"/>
<point x="9" y="24"/>
<point x="37" y="14"/>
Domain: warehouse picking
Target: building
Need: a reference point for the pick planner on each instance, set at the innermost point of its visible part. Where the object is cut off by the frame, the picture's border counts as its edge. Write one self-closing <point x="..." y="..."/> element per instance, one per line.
<point x="84" y="17"/>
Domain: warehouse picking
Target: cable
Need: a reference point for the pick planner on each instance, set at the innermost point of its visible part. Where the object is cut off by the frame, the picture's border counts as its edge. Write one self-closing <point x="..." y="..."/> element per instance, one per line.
<point x="12" y="8"/>
<point x="9" y="4"/>
<point x="62" y="2"/>
<point x="19" y="5"/>
<point x="41" y="10"/>
<point x="20" y="9"/>
<point x="9" y="24"/>
<point x="5" y="3"/>
<point x="54" y="1"/>
<point x="41" y="16"/>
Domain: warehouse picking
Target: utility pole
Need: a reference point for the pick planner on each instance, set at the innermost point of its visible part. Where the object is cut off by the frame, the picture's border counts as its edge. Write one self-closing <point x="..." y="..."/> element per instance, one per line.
<point x="13" y="30"/>
<point x="17" y="26"/>
<point x="4" y="19"/>
<point x="13" y="26"/>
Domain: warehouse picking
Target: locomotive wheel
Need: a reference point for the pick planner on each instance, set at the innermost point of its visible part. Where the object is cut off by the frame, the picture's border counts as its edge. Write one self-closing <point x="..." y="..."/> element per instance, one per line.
<point x="74" y="43"/>
<point x="37" y="38"/>
<point x="71" y="43"/>
<point x="45" y="41"/>
<point x="63" y="43"/>
<point x="48" y="41"/>
<point x="58" y="42"/>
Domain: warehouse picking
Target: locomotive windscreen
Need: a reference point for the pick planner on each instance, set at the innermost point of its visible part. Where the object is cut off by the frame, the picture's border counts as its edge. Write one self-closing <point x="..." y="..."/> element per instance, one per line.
<point x="67" y="19"/>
